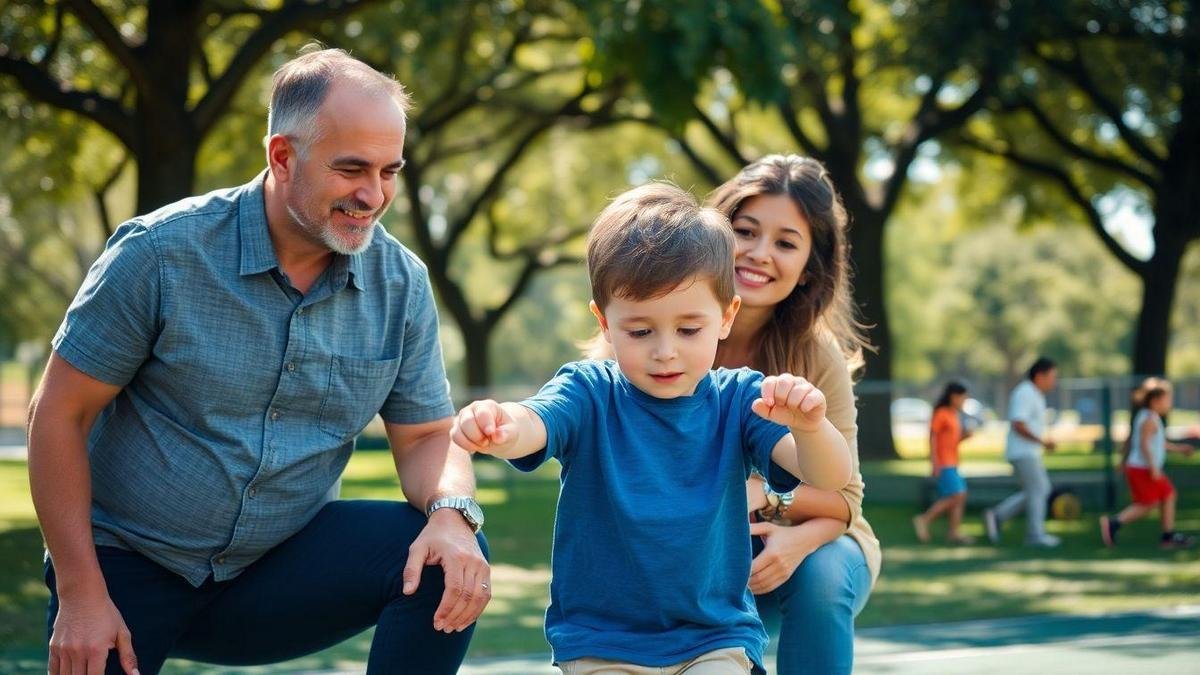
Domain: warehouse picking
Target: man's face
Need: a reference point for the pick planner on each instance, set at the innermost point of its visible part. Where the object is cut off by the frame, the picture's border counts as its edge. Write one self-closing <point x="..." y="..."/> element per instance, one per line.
<point x="666" y="345"/>
<point x="345" y="179"/>
<point x="1046" y="380"/>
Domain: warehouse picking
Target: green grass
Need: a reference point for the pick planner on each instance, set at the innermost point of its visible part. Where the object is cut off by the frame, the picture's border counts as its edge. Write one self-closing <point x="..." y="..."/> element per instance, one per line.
<point x="919" y="584"/>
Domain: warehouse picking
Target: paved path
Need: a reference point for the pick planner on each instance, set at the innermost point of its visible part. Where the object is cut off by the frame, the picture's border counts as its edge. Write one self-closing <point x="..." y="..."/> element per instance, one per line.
<point x="1166" y="641"/>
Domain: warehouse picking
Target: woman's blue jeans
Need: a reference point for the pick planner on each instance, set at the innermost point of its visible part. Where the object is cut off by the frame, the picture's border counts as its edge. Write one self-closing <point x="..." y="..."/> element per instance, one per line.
<point x="338" y="576"/>
<point x="812" y="613"/>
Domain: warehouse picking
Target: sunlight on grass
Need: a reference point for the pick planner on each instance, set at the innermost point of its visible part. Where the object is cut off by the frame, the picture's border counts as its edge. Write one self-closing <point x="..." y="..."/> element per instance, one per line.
<point x="919" y="584"/>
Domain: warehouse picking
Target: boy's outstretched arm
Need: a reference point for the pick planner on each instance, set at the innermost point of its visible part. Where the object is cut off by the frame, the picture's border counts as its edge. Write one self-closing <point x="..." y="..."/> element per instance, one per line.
<point x="504" y="430"/>
<point x="815" y="451"/>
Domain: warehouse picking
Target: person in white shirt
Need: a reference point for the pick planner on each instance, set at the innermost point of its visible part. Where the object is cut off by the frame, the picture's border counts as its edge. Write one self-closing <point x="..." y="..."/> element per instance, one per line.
<point x="1023" y="449"/>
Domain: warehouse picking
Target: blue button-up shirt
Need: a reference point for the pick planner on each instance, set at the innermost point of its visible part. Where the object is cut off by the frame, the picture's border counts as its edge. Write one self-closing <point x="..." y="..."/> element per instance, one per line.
<point x="241" y="397"/>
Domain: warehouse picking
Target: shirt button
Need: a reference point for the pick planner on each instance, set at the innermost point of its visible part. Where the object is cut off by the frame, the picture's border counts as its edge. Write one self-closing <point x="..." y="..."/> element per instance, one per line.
<point x="300" y="312"/>
<point x="291" y="367"/>
<point x="274" y="414"/>
<point x="221" y="560"/>
<point x="253" y="492"/>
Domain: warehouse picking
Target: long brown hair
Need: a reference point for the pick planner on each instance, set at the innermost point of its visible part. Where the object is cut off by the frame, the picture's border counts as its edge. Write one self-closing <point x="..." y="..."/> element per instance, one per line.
<point x="820" y="309"/>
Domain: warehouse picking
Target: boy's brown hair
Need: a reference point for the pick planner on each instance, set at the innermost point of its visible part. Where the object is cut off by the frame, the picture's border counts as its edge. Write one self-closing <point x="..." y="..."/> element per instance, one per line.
<point x="653" y="238"/>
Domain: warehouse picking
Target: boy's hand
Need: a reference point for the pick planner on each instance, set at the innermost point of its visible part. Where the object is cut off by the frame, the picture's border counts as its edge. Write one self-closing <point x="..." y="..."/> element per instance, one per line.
<point x="485" y="427"/>
<point x="791" y="401"/>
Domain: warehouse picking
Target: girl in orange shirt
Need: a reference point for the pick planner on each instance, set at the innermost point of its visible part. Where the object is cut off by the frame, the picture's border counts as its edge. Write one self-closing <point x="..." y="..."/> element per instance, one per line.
<point x="945" y="433"/>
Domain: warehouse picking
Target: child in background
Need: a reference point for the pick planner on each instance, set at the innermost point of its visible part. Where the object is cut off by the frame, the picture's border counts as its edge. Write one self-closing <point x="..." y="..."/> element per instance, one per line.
<point x="945" y="433"/>
<point x="1148" y="485"/>
<point x="655" y="451"/>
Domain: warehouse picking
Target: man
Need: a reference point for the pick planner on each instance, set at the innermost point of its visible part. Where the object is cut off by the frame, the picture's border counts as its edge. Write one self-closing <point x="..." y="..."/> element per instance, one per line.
<point x="203" y="397"/>
<point x="1023" y="449"/>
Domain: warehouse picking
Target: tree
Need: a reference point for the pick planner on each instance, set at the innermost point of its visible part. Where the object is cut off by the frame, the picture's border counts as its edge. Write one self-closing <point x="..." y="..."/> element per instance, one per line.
<point x="860" y="86"/>
<point x="1108" y="102"/>
<point x="492" y="81"/>
<point x="157" y="75"/>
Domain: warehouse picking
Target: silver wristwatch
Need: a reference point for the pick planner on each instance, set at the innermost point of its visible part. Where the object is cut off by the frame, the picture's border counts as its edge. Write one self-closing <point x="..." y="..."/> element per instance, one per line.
<point x="467" y="506"/>
<point x="777" y="504"/>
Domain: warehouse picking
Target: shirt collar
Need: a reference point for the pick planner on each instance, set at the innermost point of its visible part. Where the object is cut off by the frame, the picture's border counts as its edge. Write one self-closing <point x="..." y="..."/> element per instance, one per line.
<point x="258" y="254"/>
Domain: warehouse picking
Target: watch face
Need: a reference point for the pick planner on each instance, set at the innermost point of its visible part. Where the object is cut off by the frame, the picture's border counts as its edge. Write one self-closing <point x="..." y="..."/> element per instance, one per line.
<point x="474" y="512"/>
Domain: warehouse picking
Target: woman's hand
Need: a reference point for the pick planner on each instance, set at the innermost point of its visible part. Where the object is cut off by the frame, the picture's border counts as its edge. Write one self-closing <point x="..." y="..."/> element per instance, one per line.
<point x="785" y="548"/>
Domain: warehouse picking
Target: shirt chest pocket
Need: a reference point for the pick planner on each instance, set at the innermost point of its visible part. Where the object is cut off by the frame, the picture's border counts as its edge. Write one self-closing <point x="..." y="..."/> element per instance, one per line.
<point x="356" y="391"/>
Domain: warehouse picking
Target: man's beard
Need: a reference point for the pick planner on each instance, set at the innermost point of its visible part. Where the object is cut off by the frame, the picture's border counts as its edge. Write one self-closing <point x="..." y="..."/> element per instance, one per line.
<point x="324" y="232"/>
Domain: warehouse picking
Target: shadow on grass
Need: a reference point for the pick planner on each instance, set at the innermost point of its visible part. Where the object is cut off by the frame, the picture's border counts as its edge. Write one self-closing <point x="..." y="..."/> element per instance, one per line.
<point x="920" y="584"/>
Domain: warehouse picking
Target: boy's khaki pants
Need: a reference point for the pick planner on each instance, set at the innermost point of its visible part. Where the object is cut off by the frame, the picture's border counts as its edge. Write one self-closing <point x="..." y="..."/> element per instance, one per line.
<point x="728" y="661"/>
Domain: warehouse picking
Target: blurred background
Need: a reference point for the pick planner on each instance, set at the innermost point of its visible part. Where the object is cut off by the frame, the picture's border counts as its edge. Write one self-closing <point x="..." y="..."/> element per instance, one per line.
<point x="1022" y="178"/>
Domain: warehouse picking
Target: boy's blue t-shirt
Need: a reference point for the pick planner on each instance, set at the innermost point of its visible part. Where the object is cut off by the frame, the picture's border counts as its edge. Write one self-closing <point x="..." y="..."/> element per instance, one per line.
<point x="651" y="541"/>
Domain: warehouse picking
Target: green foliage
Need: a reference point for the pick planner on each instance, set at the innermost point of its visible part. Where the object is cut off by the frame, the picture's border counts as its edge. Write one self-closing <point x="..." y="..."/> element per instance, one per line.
<point x="671" y="47"/>
<point x="978" y="296"/>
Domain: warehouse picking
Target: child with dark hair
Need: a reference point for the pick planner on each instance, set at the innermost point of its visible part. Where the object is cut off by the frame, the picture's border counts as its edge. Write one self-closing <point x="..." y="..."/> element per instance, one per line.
<point x="945" y="433"/>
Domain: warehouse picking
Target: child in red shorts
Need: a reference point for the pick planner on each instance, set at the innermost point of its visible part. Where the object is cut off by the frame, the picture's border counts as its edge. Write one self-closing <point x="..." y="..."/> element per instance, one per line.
<point x="1148" y="484"/>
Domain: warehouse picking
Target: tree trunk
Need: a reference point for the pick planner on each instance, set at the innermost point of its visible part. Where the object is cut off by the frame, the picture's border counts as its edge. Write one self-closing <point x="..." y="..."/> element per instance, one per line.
<point x="1153" y="334"/>
<point x="476" y="340"/>
<point x="875" y="391"/>
<point x="166" y="169"/>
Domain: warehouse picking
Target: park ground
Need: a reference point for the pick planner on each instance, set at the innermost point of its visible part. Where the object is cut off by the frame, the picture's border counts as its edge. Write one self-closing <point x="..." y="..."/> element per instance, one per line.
<point x="920" y="585"/>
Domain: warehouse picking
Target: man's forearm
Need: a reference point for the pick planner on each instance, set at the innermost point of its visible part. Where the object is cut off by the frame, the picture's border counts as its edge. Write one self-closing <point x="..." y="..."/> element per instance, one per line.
<point x="60" y="482"/>
<point x="1024" y="432"/>
<point x="433" y="468"/>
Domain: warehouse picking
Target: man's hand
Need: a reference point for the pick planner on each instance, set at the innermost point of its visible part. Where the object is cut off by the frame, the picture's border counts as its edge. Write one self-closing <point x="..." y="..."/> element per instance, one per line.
<point x="1049" y="445"/>
<point x="85" y="629"/>
<point x="791" y="401"/>
<point x="449" y="541"/>
<point x="484" y="427"/>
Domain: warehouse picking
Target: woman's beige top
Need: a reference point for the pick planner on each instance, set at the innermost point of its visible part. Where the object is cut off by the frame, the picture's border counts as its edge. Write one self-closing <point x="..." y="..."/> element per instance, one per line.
<point x="831" y="375"/>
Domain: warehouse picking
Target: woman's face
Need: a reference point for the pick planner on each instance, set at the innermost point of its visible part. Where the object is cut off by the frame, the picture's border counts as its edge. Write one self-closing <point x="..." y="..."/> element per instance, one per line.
<point x="957" y="400"/>
<point x="773" y="243"/>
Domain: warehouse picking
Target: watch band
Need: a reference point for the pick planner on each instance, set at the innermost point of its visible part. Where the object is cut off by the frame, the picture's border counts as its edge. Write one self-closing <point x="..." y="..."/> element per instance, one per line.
<point x="466" y="505"/>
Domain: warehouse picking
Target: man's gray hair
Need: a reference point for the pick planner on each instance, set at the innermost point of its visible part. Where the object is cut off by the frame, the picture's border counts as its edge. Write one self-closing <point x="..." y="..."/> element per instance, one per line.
<point x="300" y="86"/>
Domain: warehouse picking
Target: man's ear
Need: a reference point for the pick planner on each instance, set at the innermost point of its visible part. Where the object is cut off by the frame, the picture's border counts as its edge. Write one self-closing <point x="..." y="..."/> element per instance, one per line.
<point x="281" y="157"/>
<point x="600" y="318"/>
<point x="730" y="314"/>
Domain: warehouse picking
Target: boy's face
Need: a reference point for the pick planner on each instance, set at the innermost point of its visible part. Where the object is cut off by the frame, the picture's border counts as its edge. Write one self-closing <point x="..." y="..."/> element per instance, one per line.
<point x="665" y="345"/>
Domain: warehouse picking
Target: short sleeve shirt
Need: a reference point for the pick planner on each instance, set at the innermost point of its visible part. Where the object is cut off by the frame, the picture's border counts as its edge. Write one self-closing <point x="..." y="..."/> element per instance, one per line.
<point x="946" y="434"/>
<point x="1027" y="404"/>
<point x="241" y="397"/>
<point x="651" y="540"/>
<point x="1154" y="453"/>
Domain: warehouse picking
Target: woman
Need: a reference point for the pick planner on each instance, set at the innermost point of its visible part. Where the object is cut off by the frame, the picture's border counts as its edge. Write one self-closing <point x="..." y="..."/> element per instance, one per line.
<point x="945" y="433"/>
<point x="819" y="557"/>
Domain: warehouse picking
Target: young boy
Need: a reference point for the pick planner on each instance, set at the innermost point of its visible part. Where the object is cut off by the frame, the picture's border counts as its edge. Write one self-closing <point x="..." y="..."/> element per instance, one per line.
<point x="1149" y="486"/>
<point x="651" y="540"/>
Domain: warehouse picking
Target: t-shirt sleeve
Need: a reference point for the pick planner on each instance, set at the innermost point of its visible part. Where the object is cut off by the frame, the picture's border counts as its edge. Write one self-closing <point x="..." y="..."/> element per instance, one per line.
<point x="941" y="420"/>
<point x="110" y="329"/>
<point x="1023" y="406"/>
<point x="565" y="406"/>
<point x="759" y="435"/>
<point x="421" y="392"/>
